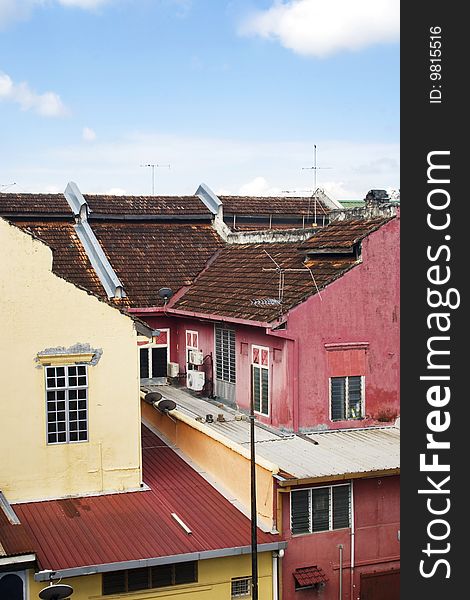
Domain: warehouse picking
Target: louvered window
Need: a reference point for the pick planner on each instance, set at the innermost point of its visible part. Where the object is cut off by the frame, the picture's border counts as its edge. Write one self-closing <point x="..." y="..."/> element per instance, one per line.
<point x="347" y="398"/>
<point x="225" y="354"/>
<point x="260" y="379"/>
<point x="132" y="580"/>
<point x="320" y="509"/>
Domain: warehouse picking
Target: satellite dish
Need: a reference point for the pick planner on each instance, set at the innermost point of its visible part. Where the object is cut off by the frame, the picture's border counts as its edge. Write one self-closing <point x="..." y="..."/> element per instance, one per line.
<point x="56" y="592"/>
<point x="165" y="293"/>
<point x="164" y="405"/>
<point x="152" y="397"/>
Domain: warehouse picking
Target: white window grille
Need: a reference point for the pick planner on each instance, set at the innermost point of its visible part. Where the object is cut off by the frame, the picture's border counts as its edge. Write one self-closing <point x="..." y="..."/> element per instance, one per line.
<point x="241" y="587"/>
<point x="225" y="354"/>
<point x="67" y="404"/>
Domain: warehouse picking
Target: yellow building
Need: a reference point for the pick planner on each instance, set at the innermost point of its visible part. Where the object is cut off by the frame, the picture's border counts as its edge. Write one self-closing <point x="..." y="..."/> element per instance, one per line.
<point x="80" y="500"/>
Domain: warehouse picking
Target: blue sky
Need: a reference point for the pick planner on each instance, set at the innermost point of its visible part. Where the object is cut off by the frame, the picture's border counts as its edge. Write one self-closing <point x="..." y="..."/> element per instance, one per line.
<point x="232" y="93"/>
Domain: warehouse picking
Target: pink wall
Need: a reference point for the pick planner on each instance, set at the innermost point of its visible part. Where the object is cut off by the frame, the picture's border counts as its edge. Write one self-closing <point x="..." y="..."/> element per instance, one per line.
<point x="376" y="513"/>
<point x="361" y="306"/>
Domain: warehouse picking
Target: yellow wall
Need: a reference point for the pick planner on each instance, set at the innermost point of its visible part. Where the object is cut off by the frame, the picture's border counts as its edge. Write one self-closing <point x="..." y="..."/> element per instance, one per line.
<point x="38" y="311"/>
<point x="214" y="582"/>
<point x="230" y="469"/>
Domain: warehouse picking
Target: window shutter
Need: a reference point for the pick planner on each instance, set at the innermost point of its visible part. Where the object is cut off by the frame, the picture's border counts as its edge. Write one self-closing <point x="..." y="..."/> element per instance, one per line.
<point x="114" y="582"/>
<point x="162" y="575"/>
<point x="321" y="509"/>
<point x="264" y="391"/>
<point x="341" y="506"/>
<point x="338" y="398"/>
<point x="256" y="387"/>
<point x="355" y="397"/>
<point x="138" y="579"/>
<point x="144" y="363"/>
<point x="300" y="511"/>
<point x="185" y="572"/>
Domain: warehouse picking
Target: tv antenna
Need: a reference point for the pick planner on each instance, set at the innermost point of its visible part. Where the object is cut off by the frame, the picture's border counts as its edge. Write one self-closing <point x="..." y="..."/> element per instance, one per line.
<point x="154" y="166"/>
<point x="5" y="186"/>
<point x="314" y="168"/>
<point x="282" y="271"/>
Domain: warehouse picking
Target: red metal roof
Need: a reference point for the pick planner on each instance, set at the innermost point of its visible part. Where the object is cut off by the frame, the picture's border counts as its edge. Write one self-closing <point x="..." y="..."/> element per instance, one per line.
<point x="309" y="576"/>
<point x="77" y="532"/>
<point x="14" y="539"/>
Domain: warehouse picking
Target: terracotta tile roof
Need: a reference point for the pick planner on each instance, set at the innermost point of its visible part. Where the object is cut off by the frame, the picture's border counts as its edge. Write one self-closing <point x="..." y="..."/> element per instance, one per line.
<point x="69" y="257"/>
<point x="146" y="205"/>
<point x="45" y="204"/>
<point x="113" y="528"/>
<point x="271" y="205"/>
<point x="342" y="234"/>
<point x="14" y="539"/>
<point x="237" y="283"/>
<point x="149" y="256"/>
<point x="309" y="576"/>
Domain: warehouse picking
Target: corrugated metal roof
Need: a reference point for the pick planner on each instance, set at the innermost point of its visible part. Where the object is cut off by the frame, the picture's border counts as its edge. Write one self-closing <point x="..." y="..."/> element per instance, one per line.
<point x="305" y="456"/>
<point x="84" y="531"/>
<point x="14" y="539"/>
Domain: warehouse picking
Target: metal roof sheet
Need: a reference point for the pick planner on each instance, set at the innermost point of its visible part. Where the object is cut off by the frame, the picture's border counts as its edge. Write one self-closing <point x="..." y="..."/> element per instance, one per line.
<point x="304" y="456"/>
<point x="114" y="528"/>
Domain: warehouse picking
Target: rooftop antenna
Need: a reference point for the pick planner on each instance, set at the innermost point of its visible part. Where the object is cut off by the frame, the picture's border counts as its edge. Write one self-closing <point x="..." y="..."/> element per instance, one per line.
<point x="314" y="168"/>
<point x="5" y="186"/>
<point x="153" y="167"/>
<point x="282" y="271"/>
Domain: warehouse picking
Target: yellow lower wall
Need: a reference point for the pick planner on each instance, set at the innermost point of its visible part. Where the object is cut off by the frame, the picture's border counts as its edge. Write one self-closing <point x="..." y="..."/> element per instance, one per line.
<point x="214" y="582"/>
<point x="219" y="461"/>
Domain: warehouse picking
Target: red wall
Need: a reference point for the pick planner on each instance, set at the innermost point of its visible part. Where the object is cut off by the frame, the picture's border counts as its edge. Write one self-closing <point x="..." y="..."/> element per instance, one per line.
<point x="376" y="545"/>
<point x="361" y="306"/>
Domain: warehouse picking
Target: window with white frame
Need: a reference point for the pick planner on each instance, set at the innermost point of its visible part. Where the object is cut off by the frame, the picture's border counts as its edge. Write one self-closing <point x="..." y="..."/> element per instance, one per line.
<point x="260" y="379"/>
<point x="225" y="354"/>
<point x="192" y="343"/>
<point x="241" y="587"/>
<point x="67" y="404"/>
<point x="320" y="508"/>
<point x="347" y="398"/>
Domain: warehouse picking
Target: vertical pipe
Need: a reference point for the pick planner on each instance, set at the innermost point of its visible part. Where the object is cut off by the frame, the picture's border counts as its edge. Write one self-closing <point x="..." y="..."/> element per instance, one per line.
<point x="340" y="547"/>
<point x="275" y="576"/>
<point x="353" y="532"/>
<point x="254" y="533"/>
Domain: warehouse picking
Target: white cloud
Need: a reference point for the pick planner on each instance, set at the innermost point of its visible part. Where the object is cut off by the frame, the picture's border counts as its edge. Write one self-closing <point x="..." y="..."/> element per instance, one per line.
<point x="85" y="4"/>
<point x="258" y="187"/>
<point x="88" y="134"/>
<point x="47" y="104"/>
<point x="320" y="28"/>
<point x="116" y="192"/>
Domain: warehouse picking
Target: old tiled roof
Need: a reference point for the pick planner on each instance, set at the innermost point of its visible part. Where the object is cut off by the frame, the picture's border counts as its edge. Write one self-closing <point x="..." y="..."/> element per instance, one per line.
<point x="272" y="205"/>
<point x="149" y="256"/>
<point x="342" y="234"/>
<point x="242" y="282"/>
<point x="45" y="204"/>
<point x="114" y="528"/>
<point x="70" y="260"/>
<point x="146" y="205"/>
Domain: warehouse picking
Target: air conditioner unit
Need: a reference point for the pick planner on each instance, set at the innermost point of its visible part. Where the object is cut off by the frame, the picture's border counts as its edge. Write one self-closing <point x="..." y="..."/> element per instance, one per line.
<point x="196" y="357"/>
<point x="195" y="380"/>
<point x="173" y="369"/>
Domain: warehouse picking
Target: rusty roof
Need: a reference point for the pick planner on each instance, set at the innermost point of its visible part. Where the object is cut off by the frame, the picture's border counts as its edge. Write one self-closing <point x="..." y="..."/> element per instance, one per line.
<point x="243" y="283"/>
<point x="76" y="532"/>
<point x="271" y="205"/>
<point x="342" y="234"/>
<point x="14" y="538"/>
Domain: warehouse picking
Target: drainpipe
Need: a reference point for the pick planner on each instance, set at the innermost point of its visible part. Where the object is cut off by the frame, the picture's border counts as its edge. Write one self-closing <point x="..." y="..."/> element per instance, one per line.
<point x="340" y="547"/>
<point x="353" y="532"/>
<point x="275" y="576"/>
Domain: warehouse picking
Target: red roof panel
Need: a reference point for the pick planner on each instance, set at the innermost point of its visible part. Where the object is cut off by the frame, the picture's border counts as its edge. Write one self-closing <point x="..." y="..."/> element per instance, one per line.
<point x="104" y="529"/>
